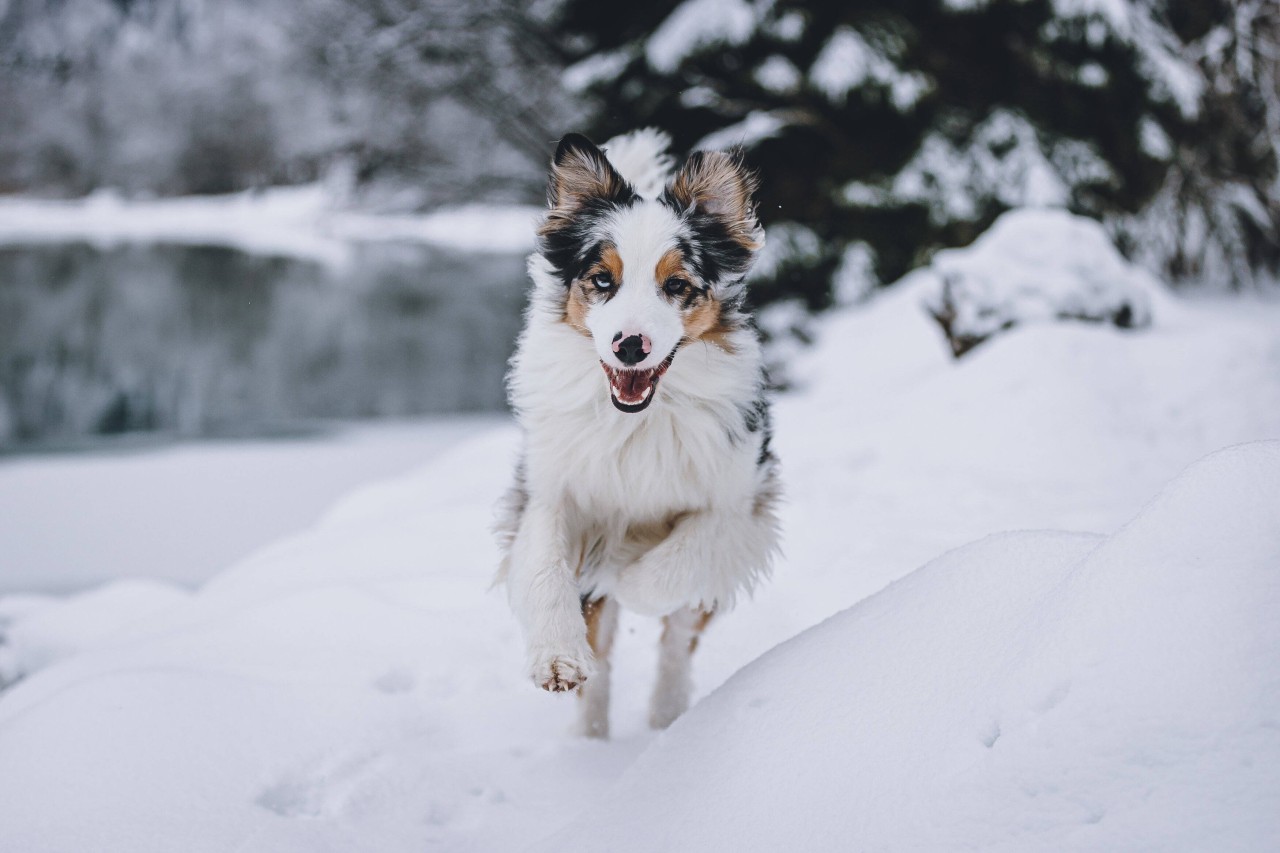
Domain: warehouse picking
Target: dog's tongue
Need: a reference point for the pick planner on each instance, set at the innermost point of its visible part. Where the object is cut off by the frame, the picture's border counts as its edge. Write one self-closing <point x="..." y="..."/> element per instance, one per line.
<point x="632" y="386"/>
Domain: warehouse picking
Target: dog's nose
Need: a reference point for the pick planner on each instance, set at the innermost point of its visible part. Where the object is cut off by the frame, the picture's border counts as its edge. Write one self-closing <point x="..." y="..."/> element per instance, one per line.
<point x="631" y="349"/>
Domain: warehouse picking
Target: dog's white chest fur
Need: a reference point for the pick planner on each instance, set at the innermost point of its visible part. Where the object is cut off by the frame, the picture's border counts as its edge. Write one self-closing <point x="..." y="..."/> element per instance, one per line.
<point x="687" y="452"/>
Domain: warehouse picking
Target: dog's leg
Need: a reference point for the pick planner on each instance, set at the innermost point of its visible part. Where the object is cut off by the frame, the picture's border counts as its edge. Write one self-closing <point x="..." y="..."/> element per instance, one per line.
<point x="680" y="633"/>
<point x="544" y="597"/>
<point x="601" y="616"/>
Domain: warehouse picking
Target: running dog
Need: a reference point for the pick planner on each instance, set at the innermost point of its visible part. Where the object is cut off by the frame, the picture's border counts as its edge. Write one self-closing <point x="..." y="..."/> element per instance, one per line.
<point x="646" y="479"/>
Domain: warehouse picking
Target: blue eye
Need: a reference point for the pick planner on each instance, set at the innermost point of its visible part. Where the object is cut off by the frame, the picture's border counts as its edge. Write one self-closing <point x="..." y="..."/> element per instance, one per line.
<point x="602" y="280"/>
<point x="676" y="286"/>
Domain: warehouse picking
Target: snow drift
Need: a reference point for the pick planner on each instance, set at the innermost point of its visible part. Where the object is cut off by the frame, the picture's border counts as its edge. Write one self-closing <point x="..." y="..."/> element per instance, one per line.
<point x="355" y="687"/>
<point x="1029" y="691"/>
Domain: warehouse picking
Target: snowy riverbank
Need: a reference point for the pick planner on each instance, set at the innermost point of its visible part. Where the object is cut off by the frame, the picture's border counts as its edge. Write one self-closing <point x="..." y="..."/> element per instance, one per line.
<point x="1113" y="686"/>
<point x="305" y="222"/>
<point x="181" y="512"/>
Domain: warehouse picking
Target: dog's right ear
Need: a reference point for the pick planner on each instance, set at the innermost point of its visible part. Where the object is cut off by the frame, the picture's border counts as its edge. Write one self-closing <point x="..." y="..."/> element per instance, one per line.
<point x="580" y="172"/>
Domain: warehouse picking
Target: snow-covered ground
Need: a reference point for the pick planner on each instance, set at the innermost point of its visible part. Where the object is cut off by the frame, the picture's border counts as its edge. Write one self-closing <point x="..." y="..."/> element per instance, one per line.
<point x="306" y="222"/>
<point x="1112" y="686"/>
<point x="182" y="512"/>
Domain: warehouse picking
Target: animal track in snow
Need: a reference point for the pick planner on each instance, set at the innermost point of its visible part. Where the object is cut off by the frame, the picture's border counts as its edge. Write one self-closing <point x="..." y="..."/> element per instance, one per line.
<point x="327" y="788"/>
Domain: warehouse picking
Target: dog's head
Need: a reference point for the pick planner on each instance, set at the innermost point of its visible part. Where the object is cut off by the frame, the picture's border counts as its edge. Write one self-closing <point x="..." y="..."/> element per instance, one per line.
<point x="643" y="276"/>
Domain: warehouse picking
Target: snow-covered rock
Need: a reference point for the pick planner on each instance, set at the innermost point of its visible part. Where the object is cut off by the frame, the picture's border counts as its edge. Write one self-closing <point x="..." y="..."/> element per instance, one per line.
<point x="1036" y="265"/>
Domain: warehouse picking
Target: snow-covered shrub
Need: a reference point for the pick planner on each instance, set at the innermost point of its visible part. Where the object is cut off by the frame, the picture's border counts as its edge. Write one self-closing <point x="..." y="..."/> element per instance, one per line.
<point x="1034" y="266"/>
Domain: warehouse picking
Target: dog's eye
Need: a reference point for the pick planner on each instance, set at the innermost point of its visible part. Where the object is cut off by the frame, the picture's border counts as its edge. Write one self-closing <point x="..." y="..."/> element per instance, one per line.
<point x="602" y="280"/>
<point x="676" y="286"/>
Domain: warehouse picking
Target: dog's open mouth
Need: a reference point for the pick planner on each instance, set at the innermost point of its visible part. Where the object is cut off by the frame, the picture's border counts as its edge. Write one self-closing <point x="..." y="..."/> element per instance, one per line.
<point x="633" y="390"/>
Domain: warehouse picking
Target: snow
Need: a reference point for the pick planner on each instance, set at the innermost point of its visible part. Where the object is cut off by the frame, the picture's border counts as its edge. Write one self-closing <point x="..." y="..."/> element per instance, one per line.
<point x="1001" y="158"/>
<point x="1038" y="265"/>
<point x="855" y="277"/>
<point x="165" y="526"/>
<point x="788" y="26"/>
<point x="357" y="686"/>
<point x="1031" y="691"/>
<point x="757" y="126"/>
<point x="305" y="222"/>
<point x="596" y="68"/>
<point x="786" y="243"/>
<point x="1172" y="76"/>
<point x="778" y="75"/>
<point x="696" y="24"/>
<point x="848" y="61"/>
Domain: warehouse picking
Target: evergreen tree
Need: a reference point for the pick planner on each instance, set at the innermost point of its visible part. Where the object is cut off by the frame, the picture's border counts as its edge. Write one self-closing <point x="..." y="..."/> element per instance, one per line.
<point x="887" y="129"/>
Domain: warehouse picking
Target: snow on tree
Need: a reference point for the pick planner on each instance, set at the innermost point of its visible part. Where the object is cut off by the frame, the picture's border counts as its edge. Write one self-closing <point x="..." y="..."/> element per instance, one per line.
<point x="421" y="102"/>
<point x="887" y="130"/>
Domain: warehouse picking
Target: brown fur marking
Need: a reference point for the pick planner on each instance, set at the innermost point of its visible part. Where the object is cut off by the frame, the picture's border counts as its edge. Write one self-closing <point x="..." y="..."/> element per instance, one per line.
<point x="610" y="262"/>
<point x="700" y="625"/>
<point x="670" y="264"/>
<point x="580" y="177"/>
<point x="718" y="183"/>
<point x="703" y="321"/>
<point x="583" y="292"/>
<point x="591" y="613"/>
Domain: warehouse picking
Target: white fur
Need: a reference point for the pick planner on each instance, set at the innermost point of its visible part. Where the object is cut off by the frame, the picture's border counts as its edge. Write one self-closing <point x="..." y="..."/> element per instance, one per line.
<point x="643" y="234"/>
<point x="675" y="683"/>
<point x="641" y="157"/>
<point x="593" y="717"/>
<point x="593" y="476"/>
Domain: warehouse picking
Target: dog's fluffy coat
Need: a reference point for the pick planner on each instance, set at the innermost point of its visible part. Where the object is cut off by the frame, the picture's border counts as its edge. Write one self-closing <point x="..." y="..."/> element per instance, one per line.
<point x="649" y="485"/>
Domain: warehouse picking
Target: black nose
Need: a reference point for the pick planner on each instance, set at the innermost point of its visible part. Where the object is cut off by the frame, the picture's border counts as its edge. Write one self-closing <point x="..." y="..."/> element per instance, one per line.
<point x="631" y="350"/>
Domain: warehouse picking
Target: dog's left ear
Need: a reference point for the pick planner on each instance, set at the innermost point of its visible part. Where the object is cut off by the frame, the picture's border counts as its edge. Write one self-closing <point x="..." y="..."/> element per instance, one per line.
<point x="579" y="172"/>
<point x="719" y="184"/>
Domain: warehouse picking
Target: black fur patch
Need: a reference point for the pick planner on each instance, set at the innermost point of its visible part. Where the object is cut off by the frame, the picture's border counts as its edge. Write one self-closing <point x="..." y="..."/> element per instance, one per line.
<point x="566" y="238"/>
<point x="710" y="251"/>
<point x="572" y="248"/>
<point x="757" y="418"/>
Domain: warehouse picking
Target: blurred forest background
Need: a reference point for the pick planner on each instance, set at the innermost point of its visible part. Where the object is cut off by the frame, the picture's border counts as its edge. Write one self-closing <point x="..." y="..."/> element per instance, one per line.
<point x="884" y="131"/>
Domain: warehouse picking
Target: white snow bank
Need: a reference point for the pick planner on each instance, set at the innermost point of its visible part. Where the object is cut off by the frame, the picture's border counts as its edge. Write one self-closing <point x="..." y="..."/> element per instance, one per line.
<point x="183" y="513"/>
<point x="1030" y="691"/>
<point x="304" y="222"/>
<point x="1036" y="265"/>
<point x="355" y="686"/>
<point x="83" y="622"/>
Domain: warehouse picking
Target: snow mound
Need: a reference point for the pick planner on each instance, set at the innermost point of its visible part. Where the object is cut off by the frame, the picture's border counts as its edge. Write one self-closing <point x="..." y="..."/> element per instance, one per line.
<point x="47" y="633"/>
<point x="1035" y="265"/>
<point x="1029" y="691"/>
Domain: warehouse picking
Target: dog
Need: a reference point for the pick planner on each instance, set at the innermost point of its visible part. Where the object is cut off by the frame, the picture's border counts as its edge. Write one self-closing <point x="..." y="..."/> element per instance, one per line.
<point x="646" y="479"/>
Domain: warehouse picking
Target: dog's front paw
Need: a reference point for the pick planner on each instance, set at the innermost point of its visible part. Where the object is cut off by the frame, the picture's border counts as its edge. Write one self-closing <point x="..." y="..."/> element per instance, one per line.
<point x="559" y="671"/>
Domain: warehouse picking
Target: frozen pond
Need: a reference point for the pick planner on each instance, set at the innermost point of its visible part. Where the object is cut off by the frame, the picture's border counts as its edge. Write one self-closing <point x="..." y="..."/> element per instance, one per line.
<point x="200" y="341"/>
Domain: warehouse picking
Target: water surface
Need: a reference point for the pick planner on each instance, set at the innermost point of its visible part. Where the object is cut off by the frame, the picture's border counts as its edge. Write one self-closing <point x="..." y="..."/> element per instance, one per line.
<point x="198" y="341"/>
